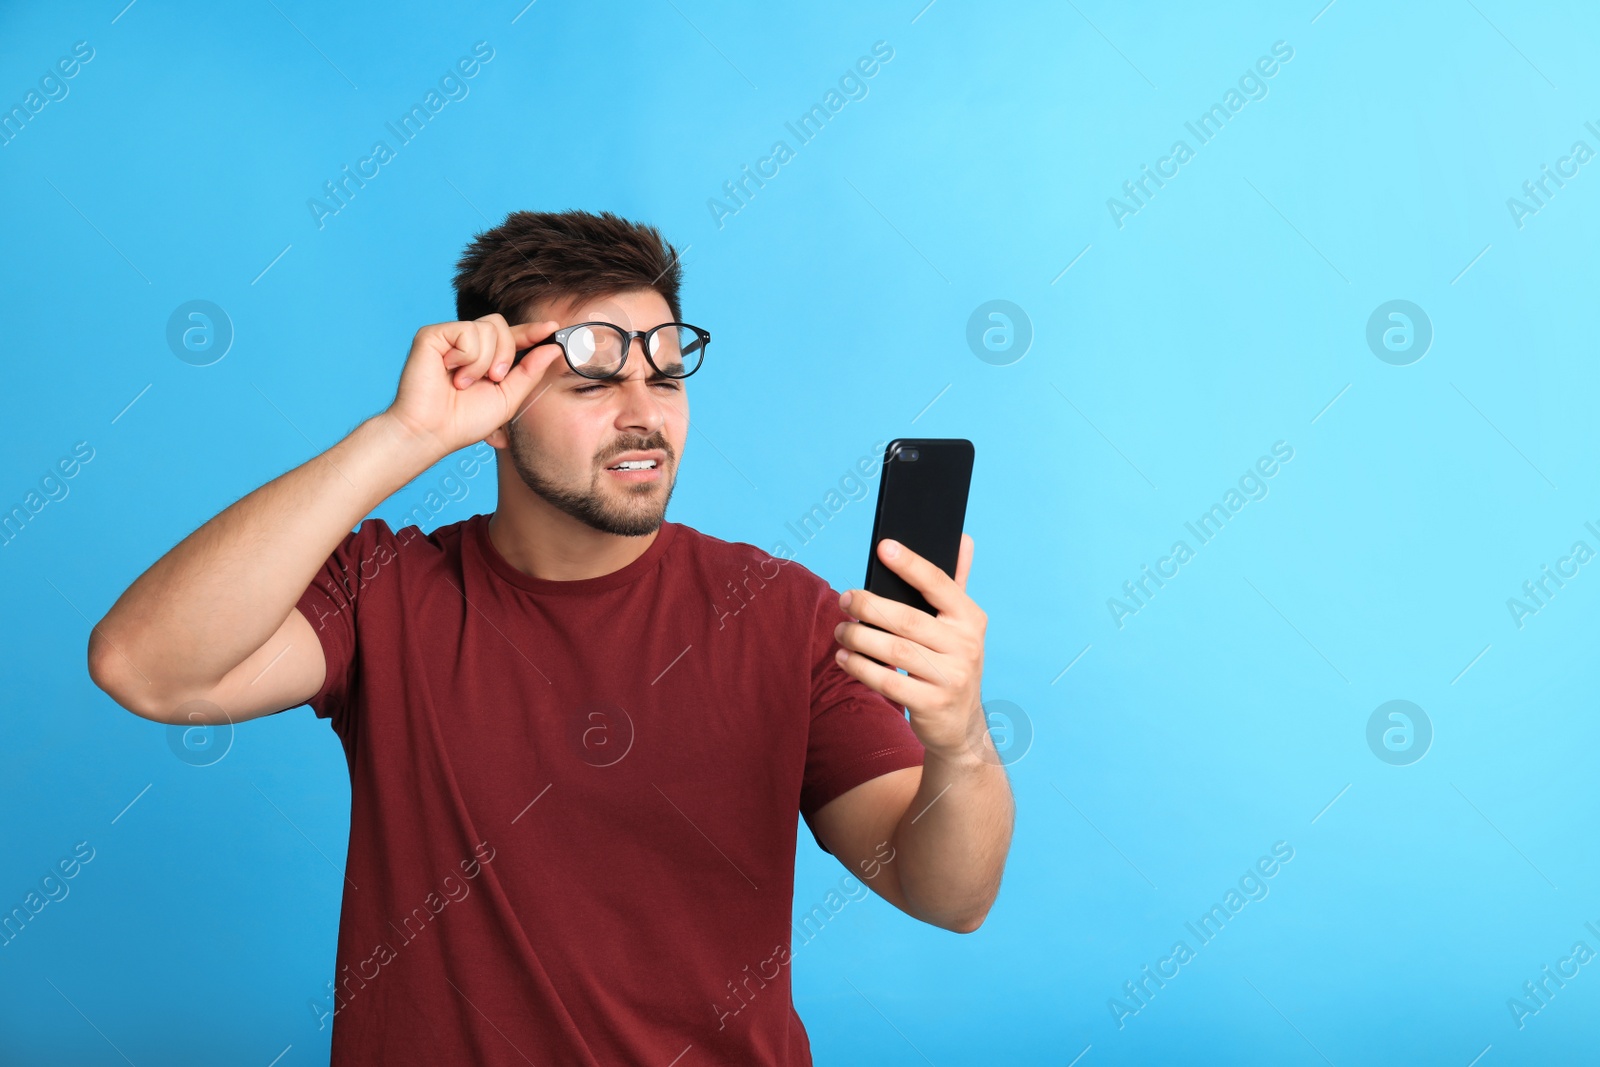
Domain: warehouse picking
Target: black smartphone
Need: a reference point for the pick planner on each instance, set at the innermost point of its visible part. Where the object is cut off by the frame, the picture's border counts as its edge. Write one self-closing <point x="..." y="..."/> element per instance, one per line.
<point x="922" y="503"/>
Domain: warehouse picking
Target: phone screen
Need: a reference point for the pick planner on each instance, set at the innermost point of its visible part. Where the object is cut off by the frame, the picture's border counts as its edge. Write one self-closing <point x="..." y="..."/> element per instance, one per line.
<point x="922" y="503"/>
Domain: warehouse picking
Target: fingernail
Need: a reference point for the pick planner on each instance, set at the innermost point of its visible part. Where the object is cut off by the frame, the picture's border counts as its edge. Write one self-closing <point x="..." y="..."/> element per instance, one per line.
<point x="838" y="630"/>
<point x="500" y="369"/>
<point x="891" y="548"/>
<point x="841" y="656"/>
<point x="844" y="599"/>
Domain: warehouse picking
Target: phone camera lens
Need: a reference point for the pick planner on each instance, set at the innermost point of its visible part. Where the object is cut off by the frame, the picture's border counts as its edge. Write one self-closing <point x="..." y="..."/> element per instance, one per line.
<point x="908" y="454"/>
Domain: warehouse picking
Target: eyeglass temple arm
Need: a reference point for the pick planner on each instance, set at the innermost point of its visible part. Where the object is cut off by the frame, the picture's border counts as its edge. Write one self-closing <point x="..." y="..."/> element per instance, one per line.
<point x="524" y="351"/>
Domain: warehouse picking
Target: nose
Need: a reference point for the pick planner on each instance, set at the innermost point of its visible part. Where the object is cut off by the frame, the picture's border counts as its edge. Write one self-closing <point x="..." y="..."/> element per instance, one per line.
<point x="639" y="409"/>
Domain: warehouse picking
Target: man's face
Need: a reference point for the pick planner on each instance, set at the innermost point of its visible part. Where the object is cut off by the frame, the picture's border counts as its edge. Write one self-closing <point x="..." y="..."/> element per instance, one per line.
<point x="567" y="440"/>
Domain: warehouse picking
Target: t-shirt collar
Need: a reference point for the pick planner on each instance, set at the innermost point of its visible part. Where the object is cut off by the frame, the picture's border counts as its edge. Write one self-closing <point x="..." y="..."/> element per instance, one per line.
<point x="632" y="572"/>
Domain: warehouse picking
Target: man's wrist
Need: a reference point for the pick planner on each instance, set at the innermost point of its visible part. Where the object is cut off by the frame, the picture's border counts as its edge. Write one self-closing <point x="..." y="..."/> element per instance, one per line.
<point x="416" y="449"/>
<point x="977" y="755"/>
<point x="974" y="751"/>
<point x="382" y="455"/>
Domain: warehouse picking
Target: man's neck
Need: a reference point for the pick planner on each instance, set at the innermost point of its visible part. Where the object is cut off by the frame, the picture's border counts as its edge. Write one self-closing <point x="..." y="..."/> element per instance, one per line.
<point x="544" y="542"/>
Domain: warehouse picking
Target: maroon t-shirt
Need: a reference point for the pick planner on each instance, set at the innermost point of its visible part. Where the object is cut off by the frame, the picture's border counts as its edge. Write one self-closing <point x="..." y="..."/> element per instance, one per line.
<point x="573" y="804"/>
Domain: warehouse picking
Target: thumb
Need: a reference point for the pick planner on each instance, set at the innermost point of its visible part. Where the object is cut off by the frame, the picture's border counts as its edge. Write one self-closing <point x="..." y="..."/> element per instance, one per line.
<point x="518" y="386"/>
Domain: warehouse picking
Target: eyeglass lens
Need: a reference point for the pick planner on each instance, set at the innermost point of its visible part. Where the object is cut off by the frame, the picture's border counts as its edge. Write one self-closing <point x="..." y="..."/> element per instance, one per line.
<point x="596" y="350"/>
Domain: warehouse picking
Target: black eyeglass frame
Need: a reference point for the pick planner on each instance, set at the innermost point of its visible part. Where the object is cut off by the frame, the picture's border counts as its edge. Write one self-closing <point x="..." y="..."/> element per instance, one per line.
<point x="561" y="335"/>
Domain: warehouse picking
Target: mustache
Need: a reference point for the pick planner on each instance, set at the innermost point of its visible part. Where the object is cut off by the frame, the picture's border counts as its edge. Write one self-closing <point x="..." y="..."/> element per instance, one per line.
<point x="647" y="445"/>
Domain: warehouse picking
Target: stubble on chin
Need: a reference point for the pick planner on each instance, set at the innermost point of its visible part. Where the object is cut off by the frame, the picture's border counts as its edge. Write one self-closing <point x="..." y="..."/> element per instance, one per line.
<point x="626" y="511"/>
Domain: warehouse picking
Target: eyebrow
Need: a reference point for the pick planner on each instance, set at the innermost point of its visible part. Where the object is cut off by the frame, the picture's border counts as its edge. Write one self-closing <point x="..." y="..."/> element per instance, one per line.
<point x="569" y="374"/>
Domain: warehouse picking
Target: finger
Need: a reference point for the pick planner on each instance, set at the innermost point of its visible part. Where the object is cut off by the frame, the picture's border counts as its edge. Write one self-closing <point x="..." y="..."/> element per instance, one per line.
<point x="483" y="347"/>
<point x="900" y="689"/>
<point x="522" y="382"/>
<point x="940" y="590"/>
<point x="526" y="337"/>
<point x="521" y="387"/>
<point x="465" y="360"/>
<point x="452" y="341"/>
<point x="964" y="562"/>
<point x="495" y="351"/>
<point x="500" y="362"/>
<point x="891" y="650"/>
<point x="914" y="624"/>
<point x="524" y="334"/>
<point x="527" y="353"/>
<point x="489" y="342"/>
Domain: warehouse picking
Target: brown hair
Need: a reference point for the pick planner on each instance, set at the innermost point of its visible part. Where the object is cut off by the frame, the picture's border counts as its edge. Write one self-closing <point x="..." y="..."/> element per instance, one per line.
<point x="539" y="255"/>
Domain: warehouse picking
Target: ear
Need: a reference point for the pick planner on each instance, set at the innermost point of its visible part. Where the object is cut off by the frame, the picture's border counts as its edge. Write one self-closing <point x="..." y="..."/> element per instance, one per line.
<point x="498" y="438"/>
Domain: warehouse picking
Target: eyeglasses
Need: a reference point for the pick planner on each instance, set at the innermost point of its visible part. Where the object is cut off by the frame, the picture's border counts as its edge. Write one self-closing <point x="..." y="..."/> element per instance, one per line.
<point x="600" y="349"/>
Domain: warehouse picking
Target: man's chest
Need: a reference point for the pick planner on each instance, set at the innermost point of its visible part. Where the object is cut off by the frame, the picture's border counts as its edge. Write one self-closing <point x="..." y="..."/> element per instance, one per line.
<point x="650" y="712"/>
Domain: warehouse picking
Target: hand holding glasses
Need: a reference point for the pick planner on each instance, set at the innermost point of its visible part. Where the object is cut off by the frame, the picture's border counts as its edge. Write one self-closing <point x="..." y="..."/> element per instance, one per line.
<point x="600" y="349"/>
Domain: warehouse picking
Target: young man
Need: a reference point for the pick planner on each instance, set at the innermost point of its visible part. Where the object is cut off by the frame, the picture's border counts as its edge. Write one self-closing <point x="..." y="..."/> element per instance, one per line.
<point x="578" y="735"/>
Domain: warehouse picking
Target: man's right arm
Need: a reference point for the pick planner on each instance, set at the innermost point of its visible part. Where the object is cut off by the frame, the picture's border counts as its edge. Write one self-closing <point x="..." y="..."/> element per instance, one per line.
<point x="214" y="620"/>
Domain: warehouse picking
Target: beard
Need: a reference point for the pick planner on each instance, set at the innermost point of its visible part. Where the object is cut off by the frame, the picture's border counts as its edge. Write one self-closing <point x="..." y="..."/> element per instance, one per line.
<point x="627" y="510"/>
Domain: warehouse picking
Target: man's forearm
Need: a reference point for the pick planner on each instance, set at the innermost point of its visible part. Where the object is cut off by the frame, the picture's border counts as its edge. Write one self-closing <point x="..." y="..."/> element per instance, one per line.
<point x="950" y="847"/>
<point x="218" y="595"/>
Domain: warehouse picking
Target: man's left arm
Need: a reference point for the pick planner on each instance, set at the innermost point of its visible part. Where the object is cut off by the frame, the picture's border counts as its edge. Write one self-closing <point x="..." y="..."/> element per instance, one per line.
<point x="931" y="840"/>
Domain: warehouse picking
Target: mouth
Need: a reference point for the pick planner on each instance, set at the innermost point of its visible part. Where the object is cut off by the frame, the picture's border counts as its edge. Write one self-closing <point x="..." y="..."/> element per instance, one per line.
<point x="637" y="467"/>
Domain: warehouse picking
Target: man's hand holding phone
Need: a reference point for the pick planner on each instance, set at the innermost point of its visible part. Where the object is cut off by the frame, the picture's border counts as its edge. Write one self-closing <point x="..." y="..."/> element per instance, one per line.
<point x="458" y="383"/>
<point x="942" y="655"/>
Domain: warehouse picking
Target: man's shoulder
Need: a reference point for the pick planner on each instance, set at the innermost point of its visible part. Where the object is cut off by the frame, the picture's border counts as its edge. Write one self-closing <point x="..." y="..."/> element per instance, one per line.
<point x="374" y="534"/>
<point x="736" y="560"/>
<point x="708" y="546"/>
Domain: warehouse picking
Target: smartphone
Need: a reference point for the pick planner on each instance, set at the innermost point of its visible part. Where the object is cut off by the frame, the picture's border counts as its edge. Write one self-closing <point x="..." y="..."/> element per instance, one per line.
<point x="922" y="503"/>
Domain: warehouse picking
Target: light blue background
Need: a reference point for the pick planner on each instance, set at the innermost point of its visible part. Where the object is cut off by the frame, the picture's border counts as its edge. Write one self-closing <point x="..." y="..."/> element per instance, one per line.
<point x="1223" y="317"/>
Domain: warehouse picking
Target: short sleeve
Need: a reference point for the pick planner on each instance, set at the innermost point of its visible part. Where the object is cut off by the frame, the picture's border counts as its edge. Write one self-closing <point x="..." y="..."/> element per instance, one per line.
<point x="856" y="733"/>
<point x="331" y="605"/>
